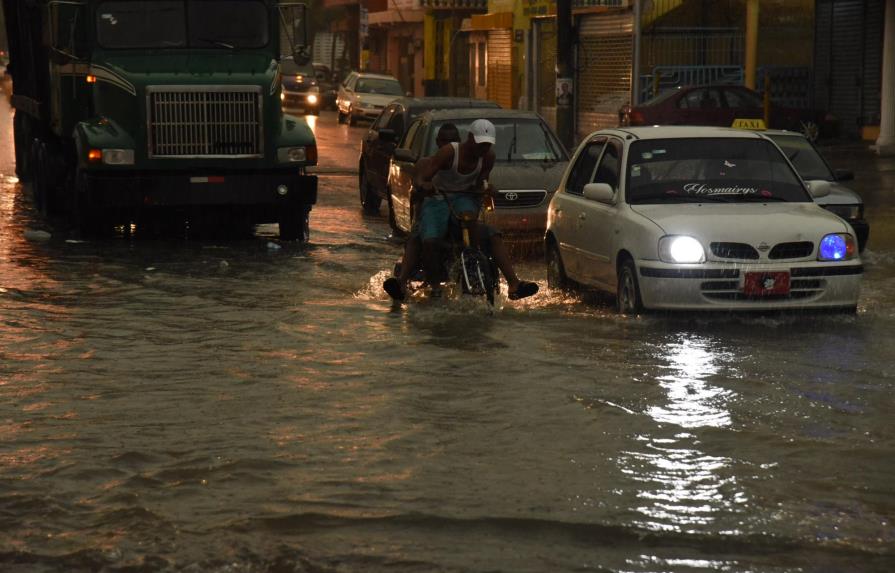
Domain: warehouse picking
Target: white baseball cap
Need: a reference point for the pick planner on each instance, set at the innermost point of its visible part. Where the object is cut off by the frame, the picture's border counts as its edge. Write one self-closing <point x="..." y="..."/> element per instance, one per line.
<point x="483" y="131"/>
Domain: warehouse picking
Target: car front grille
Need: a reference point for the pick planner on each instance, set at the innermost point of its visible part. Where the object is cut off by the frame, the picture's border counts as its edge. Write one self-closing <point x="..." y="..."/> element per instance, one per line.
<point x="205" y="121"/>
<point x="726" y="290"/>
<point x="798" y="250"/>
<point x="516" y="199"/>
<point x="734" y="251"/>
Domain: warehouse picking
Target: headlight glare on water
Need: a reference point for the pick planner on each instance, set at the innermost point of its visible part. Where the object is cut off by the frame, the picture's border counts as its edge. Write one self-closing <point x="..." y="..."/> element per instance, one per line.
<point x="681" y="249"/>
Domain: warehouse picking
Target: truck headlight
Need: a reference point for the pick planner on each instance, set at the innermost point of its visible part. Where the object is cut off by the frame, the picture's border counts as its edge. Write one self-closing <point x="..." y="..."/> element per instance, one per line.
<point x="312" y="99"/>
<point x="681" y="249"/>
<point x="118" y="156"/>
<point x="837" y="247"/>
<point x="300" y="154"/>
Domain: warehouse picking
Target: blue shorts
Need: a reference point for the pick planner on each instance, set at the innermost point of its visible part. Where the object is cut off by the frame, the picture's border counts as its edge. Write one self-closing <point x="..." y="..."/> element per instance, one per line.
<point x="435" y="214"/>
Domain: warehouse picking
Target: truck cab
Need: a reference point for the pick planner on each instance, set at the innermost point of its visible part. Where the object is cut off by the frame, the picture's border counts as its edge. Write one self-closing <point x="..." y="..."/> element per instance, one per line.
<point x="140" y="106"/>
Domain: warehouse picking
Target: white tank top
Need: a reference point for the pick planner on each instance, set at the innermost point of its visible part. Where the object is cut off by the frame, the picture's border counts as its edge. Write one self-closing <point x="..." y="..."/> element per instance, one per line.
<point x="451" y="180"/>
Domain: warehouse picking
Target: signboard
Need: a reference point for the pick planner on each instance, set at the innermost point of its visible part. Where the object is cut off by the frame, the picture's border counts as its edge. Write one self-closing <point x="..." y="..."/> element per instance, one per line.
<point x="750" y="123"/>
<point x="565" y="92"/>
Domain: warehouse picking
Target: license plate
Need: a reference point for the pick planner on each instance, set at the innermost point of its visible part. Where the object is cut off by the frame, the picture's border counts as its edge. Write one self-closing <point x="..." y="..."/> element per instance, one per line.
<point x="766" y="284"/>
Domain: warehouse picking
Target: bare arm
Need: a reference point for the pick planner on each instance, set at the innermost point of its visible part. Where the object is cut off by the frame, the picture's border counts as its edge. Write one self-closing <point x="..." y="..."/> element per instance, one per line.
<point x="442" y="159"/>
<point x="485" y="173"/>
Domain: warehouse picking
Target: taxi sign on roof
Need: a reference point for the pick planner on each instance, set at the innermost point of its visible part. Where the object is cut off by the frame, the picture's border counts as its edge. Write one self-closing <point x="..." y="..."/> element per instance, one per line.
<point x="752" y="123"/>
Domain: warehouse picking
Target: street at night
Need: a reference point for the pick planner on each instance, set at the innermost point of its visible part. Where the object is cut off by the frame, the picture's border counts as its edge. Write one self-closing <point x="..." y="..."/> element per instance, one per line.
<point x="234" y="404"/>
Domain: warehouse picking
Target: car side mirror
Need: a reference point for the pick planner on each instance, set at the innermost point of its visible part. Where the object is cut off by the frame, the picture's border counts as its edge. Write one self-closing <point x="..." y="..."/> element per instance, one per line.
<point x="818" y="188"/>
<point x="599" y="192"/>
<point x="844" y="174"/>
<point x="402" y="154"/>
<point x="387" y="135"/>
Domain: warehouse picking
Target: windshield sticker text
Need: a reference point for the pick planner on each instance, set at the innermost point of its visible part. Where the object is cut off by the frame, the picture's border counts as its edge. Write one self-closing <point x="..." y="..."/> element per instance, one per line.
<point x="703" y="189"/>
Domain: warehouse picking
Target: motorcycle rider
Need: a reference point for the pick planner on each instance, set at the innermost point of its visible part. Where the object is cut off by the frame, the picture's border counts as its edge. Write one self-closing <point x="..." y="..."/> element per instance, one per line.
<point x="459" y="168"/>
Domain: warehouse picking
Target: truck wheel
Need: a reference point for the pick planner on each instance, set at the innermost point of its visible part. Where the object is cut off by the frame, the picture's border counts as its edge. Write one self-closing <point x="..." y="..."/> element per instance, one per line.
<point x="22" y="138"/>
<point x="294" y="225"/>
<point x="40" y="184"/>
<point x="88" y="220"/>
<point x="369" y="198"/>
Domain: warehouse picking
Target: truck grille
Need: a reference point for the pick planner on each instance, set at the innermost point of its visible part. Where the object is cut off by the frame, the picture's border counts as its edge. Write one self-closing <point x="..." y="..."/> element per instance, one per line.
<point x="205" y="121"/>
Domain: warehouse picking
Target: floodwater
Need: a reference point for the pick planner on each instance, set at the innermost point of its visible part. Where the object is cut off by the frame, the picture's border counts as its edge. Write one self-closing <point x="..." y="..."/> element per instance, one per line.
<point x="229" y="406"/>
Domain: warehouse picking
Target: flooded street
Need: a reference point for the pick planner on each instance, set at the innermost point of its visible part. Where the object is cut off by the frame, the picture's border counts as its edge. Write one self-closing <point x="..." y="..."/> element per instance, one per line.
<point x="245" y="405"/>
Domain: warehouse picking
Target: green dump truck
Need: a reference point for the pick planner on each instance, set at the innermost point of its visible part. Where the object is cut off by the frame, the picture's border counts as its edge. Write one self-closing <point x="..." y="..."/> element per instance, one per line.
<point x="126" y="109"/>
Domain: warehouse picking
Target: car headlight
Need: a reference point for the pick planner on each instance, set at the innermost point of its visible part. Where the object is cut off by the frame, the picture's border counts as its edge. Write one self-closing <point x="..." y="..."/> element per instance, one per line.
<point x="837" y="247"/>
<point x="118" y="156"/>
<point x="847" y="212"/>
<point x="681" y="249"/>
<point x="297" y="154"/>
<point x="312" y="99"/>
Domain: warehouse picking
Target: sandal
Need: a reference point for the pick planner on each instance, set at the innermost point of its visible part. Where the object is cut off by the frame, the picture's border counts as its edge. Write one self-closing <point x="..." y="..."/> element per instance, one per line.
<point x="524" y="289"/>
<point x="393" y="287"/>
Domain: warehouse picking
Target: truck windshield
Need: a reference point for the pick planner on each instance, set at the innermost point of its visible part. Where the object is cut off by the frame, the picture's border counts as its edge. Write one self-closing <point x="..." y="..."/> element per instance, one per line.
<point x="222" y="24"/>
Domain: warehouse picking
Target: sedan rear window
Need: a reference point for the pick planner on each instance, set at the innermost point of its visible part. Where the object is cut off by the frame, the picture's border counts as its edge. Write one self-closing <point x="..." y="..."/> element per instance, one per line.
<point x="730" y="170"/>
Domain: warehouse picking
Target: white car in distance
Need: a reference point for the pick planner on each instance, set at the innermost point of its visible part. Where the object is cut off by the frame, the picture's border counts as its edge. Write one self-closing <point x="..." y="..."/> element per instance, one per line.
<point x="697" y="218"/>
<point x="363" y="96"/>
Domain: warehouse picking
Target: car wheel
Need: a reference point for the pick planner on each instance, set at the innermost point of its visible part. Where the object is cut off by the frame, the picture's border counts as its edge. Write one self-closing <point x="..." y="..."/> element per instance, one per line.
<point x="352" y="120"/>
<point x="556" y="272"/>
<point x="810" y="130"/>
<point x="341" y="116"/>
<point x="392" y="221"/>
<point x="628" y="292"/>
<point x="369" y="198"/>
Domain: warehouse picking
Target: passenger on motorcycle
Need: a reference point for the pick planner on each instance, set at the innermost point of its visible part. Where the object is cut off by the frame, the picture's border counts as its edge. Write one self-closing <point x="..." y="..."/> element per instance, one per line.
<point x="460" y="172"/>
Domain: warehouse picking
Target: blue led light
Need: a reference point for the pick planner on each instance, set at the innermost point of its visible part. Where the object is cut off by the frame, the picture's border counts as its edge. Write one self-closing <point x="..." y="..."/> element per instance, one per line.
<point x="833" y="248"/>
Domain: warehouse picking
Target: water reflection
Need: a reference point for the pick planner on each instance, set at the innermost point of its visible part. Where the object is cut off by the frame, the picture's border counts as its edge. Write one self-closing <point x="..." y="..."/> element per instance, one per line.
<point x="683" y="488"/>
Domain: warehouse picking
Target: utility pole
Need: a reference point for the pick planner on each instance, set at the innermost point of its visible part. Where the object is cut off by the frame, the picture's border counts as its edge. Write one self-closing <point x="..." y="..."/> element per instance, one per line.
<point x="565" y="85"/>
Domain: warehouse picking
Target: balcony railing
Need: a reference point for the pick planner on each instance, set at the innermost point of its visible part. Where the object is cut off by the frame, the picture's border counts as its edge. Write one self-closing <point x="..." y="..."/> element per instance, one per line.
<point x="455" y="4"/>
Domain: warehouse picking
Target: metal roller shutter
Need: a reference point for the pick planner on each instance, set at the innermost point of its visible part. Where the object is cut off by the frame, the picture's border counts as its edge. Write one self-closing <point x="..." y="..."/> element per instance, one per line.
<point x="604" y="64"/>
<point x="500" y="67"/>
<point x="847" y="67"/>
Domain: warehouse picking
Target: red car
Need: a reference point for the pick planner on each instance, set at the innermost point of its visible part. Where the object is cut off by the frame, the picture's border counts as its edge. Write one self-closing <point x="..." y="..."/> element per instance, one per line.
<point x="721" y="105"/>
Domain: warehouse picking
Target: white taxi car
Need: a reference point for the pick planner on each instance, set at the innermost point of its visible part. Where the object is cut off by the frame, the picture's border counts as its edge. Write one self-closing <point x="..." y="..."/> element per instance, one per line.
<point x="698" y="218"/>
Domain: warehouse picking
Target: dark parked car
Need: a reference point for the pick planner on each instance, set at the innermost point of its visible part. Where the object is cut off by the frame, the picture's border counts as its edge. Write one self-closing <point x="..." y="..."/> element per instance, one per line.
<point x="301" y="88"/>
<point x="379" y="142"/>
<point x="721" y="105"/>
<point x="327" y="85"/>
<point x="811" y="166"/>
<point x="529" y="165"/>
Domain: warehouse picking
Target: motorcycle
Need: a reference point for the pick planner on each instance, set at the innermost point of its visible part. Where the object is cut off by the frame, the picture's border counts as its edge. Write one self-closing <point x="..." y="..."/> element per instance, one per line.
<point x="465" y="263"/>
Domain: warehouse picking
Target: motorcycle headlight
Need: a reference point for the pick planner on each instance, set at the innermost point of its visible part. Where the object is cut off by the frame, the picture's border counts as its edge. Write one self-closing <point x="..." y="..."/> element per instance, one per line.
<point x="680" y="249"/>
<point x="847" y="212"/>
<point x="837" y="247"/>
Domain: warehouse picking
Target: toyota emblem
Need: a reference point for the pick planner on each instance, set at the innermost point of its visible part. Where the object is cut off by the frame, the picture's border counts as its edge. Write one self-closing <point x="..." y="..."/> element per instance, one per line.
<point x="511" y="196"/>
<point x="763" y="247"/>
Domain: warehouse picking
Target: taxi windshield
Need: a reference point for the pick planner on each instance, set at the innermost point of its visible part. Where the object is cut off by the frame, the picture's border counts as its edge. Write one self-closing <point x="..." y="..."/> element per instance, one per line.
<point x="730" y="170"/>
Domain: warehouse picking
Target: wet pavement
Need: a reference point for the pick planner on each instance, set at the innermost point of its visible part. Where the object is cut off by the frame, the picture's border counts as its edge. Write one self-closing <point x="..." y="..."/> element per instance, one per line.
<point x="245" y="405"/>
